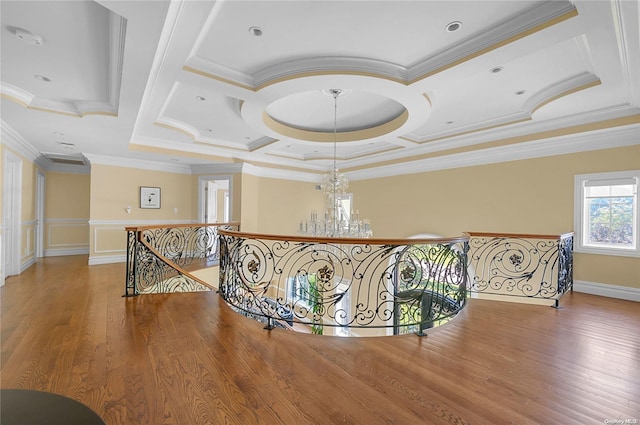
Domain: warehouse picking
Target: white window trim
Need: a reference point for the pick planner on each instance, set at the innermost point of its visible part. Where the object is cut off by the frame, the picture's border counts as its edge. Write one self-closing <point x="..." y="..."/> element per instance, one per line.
<point x="578" y="214"/>
<point x="343" y="287"/>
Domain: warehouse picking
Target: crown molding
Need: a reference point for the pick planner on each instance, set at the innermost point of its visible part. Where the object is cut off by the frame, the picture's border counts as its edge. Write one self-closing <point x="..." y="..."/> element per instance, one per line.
<point x="138" y="163"/>
<point x="582" y="142"/>
<point x="492" y="134"/>
<point x="627" y="17"/>
<point x="222" y="168"/>
<point x="275" y="173"/>
<point x="118" y="29"/>
<point x="530" y="20"/>
<point x="51" y="167"/>
<point x="14" y="140"/>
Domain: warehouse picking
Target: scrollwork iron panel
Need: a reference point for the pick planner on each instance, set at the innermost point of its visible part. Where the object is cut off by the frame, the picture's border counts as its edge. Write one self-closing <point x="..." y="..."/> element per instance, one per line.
<point x="565" y="270"/>
<point x="523" y="267"/>
<point x="323" y="284"/>
<point x="178" y="247"/>
<point x="184" y="246"/>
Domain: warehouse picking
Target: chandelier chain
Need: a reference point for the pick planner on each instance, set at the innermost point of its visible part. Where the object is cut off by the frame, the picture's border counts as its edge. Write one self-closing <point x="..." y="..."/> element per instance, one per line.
<point x="339" y="218"/>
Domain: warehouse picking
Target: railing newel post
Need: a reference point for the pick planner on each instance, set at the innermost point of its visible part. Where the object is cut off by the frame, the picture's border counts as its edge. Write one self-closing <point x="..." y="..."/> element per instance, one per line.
<point x="131" y="269"/>
<point x="270" y="324"/>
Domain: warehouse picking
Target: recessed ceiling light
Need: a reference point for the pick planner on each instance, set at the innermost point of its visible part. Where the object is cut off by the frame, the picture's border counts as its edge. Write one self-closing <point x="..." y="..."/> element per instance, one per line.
<point x="520" y="92"/>
<point x="495" y="70"/>
<point x="42" y="78"/>
<point x="201" y="98"/>
<point x="255" y="31"/>
<point x="67" y="146"/>
<point x="29" y="37"/>
<point x="453" y="26"/>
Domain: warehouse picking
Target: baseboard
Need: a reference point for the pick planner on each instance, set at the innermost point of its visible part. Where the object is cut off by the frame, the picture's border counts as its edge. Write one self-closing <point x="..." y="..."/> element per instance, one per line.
<point x="606" y="290"/>
<point x="107" y="259"/>
<point x="65" y="252"/>
<point x="30" y="262"/>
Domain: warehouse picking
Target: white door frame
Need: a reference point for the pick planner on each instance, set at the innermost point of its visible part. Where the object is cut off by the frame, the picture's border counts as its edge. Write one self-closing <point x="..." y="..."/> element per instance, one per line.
<point x="40" y="190"/>
<point x="11" y="214"/>
<point x="203" y="182"/>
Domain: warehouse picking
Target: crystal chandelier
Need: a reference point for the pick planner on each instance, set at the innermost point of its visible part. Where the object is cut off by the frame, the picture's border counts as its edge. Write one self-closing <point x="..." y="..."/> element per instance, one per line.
<point x="339" y="219"/>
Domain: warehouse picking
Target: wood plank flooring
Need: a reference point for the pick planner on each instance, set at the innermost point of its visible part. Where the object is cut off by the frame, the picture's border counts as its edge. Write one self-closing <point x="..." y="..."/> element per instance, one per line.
<point x="188" y="359"/>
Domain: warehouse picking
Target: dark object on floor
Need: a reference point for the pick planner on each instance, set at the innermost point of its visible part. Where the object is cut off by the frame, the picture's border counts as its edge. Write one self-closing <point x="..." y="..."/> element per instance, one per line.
<point x="28" y="407"/>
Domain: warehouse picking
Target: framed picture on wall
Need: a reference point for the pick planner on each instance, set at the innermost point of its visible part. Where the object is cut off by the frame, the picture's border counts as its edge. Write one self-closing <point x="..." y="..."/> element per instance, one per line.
<point x="149" y="197"/>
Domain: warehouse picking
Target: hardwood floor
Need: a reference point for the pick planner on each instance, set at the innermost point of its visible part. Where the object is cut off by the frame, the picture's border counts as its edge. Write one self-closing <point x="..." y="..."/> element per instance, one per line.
<point x="189" y="359"/>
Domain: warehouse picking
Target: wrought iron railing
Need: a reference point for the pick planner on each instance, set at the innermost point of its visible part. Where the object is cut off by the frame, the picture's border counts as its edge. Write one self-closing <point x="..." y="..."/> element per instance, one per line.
<point x="158" y="257"/>
<point x="358" y="287"/>
<point x="521" y="265"/>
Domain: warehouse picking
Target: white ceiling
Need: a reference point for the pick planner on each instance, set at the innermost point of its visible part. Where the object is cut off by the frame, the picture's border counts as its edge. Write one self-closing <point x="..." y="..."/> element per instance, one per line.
<point x="188" y="83"/>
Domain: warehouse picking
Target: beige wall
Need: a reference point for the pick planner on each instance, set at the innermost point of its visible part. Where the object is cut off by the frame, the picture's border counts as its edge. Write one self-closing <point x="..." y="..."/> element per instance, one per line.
<point x="67" y="195"/>
<point x="113" y="189"/>
<point x="236" y="197"/>
<point x="67" y="202"/>
<point x="250" y="204"/>
<point x="277" y="206"/>
<point x="529" y="196"/>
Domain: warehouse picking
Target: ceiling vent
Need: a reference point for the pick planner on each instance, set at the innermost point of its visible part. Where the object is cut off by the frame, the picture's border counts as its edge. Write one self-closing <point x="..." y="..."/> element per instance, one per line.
<point x="65" y="159"/>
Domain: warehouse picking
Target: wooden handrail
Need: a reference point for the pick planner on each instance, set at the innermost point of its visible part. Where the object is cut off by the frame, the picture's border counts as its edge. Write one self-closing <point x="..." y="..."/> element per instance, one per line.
<point x="354" y="241"/>
<point x="520" y="235"/>
<point x="161" y="226"/>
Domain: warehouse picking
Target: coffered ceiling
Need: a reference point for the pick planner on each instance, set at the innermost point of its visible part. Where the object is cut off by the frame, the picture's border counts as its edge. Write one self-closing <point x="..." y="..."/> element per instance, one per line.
<point x="424" y="84"/>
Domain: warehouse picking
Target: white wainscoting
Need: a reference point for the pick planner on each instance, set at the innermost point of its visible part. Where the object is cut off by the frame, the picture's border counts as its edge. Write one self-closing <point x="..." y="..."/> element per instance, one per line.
<point x="56" y="245"/>
<point x="103" y="253"/>
<point x="28" y="254"/>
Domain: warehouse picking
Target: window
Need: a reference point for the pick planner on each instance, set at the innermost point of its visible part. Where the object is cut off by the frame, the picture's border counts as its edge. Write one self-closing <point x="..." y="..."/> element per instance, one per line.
<point x="299" y="291"/>
<point x="343" y="309"/>
<point x="606" y="219"/>
<point x="344" y="207"/>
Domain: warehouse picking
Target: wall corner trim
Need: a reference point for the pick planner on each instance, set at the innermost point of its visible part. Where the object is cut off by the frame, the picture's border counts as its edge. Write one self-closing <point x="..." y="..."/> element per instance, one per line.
<point x="605" y="290"/>
<point x="27" y="263"/>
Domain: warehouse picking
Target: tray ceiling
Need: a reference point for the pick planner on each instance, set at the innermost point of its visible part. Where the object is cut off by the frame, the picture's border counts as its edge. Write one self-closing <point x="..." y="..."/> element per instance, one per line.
<point x="203" y="82"/>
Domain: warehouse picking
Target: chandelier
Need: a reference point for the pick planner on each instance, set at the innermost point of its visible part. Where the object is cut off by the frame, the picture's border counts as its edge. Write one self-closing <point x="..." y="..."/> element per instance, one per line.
<point x="339" y="219"/>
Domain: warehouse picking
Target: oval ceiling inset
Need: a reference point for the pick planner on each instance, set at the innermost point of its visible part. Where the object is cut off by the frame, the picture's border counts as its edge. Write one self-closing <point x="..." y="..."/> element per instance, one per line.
<point x="310" y="115"/>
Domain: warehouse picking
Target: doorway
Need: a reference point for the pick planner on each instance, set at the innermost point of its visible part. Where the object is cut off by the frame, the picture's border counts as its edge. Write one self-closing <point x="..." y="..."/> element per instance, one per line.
<point x="214" y="203"/>
<point x="11" y="211"/>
